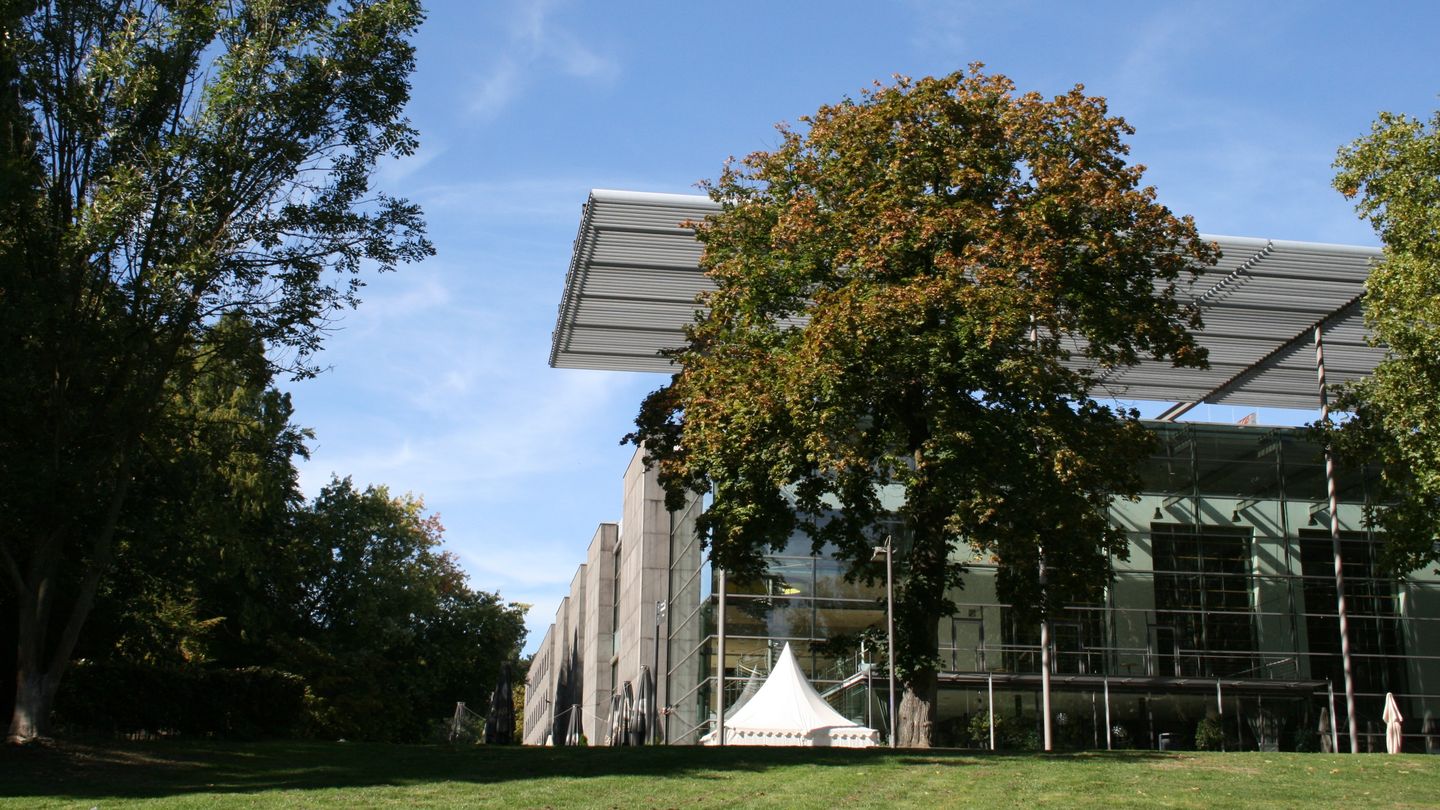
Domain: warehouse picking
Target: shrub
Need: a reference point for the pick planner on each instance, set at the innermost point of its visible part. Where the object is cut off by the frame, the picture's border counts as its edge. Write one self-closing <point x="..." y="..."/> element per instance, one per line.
<point x="1209" y="735"/>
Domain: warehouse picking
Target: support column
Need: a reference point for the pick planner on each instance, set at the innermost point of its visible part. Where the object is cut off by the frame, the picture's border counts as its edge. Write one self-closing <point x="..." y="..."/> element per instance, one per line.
<point x="720" y="666"/>
<point x="890" y="632"/>
<point x="1045" y="655"/>
<point x="1335" y="549"/>
<point x="1109" y="742"/>
<point x="990" y="688"/>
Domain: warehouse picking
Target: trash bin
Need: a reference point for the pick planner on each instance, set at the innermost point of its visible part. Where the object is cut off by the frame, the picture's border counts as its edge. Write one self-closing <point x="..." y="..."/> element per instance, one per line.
<point x="1164" y="741"/>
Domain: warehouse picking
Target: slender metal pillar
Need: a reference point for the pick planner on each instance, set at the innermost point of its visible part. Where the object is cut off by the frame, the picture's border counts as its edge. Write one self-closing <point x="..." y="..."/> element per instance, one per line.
<point x="659" y="713"/>
<point x="1109" y="744"/>
<point x="1220" y="707"/>
<point x="1335" y="550"/>
<point x="890" y="631"/>
<point x="1334" y="730"/>
<point x="1044" y="611"/>
<point x="720" y="666"/>
<point x="990" y="685"/>
<point x="1045" y="656"/>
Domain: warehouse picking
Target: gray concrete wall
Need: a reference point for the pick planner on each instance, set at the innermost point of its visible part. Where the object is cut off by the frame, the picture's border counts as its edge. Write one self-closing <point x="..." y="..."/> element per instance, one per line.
<point x="539" y="691"/>
<point x="574" y="645"/>
<point x="597" y="650"/>
<point x="644" y="572"/>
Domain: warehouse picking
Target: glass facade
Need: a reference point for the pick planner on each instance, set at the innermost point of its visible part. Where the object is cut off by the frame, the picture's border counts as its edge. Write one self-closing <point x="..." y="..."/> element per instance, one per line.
<point x="1225" y="609"/>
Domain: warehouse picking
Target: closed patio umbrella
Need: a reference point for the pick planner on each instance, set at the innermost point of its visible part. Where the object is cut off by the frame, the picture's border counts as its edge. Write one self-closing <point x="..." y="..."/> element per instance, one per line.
<point x="644" y="726"/>
<point x="1392" y="718"/>
<point x="627" y="715"/>
<point x="500" y="722"/>
<point x="573" y="730"/>
<point x="615" y="736"/>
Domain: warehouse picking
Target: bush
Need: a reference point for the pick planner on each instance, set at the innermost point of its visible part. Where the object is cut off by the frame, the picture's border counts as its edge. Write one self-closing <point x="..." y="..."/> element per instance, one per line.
<point x="126" y="699"/>
<point x="1209" y="735"/>
<point x="1011" y="734"/>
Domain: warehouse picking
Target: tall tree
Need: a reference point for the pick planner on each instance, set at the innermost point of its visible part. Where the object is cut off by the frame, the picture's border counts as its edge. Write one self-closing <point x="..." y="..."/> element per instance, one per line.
<point x="207" y="558"/>
<point x="166" y="162"/>
<point x="902" y="286"/>
<point x="392" y="636"/>
<point x="1394" y="172"/>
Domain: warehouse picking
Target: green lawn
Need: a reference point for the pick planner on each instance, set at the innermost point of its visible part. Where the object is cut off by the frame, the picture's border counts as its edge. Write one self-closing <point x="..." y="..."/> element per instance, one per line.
<point x="287" y="774"/>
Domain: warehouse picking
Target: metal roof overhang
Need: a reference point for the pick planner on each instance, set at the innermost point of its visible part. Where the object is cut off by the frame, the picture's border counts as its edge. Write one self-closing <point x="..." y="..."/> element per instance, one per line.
<point x="634" y="277"/>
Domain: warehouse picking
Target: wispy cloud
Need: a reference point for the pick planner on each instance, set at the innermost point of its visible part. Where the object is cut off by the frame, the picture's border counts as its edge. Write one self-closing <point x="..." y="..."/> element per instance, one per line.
<point x="484" y="444"/>
<point x="1160" y="45"/>
<point x="536" y="43"/>
<point x="960" y="27"/>
<point x="393" y="172"/>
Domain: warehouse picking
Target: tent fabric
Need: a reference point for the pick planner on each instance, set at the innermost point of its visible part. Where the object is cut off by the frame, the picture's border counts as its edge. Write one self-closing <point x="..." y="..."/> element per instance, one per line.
<point x="787" y="710"/>
<point x="752" y="685"/>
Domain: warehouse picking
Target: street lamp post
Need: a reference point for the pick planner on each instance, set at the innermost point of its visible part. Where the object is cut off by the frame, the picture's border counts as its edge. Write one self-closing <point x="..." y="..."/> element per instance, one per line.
<point x="884" y="551"/>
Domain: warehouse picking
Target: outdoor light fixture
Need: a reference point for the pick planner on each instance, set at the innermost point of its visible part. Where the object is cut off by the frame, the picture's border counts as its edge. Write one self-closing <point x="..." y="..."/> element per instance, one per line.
<point x="1158" y="515"/>
<point x="1241" y="507"/>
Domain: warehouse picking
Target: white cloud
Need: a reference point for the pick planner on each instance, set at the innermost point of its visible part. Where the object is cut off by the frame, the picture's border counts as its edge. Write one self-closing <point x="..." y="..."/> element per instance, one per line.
<point x="536" y="43"/>
<point x="495" y="90"/>
<point x="959" y="27"/>
<point x="391" y="173"/>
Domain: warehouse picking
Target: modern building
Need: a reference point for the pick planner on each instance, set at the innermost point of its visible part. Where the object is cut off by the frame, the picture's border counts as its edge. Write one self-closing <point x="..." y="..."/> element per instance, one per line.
<point x="1225" y="609"/>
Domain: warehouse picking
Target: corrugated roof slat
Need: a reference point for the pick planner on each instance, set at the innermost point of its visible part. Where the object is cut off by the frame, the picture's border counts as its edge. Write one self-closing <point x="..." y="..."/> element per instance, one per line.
<point x="634" y="278"/>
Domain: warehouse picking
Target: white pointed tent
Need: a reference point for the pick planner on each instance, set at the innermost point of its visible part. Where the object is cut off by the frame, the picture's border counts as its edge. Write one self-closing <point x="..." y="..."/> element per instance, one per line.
<point x="787" y="710"/>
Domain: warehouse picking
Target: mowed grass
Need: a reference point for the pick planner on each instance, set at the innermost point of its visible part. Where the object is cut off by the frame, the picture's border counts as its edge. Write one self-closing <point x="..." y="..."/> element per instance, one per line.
<point x="290" y="774"/>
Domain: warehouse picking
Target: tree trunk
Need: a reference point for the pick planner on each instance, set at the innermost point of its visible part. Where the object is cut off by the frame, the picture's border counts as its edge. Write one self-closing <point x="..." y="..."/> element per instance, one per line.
<point x="917" y="710"/>
<point x="38" y="670"/>
<point x="34" y="692"/>
<point x="34" y="696"/>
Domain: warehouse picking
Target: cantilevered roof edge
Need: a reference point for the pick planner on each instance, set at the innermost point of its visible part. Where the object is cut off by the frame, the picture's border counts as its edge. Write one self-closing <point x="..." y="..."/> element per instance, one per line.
<point x="583" y="250"/>
<point x="636" y="264"/>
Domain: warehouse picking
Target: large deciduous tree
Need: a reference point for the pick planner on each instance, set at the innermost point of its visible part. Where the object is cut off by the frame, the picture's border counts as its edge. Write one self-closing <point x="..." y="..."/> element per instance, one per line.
<point x="164" y="163"/>
<point x="923" y="287"/>
<point x="391" y="634"/>
<point x="1395" y="174"/>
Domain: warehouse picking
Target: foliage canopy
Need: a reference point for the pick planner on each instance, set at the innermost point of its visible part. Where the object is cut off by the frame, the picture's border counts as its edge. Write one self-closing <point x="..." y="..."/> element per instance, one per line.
<point x="1394" y="173"/>
<point x="922" y="287"/>
<point x="164" y="164"/>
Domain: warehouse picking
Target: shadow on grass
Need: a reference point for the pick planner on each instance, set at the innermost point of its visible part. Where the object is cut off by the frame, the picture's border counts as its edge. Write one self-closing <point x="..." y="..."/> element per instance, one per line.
<point x="94" y="769"/>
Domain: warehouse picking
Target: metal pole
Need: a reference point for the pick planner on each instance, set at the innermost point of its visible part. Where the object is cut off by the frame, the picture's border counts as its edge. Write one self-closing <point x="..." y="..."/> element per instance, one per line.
<point x="1044" y="611"/>
<point x="659" y="620"/>
<point x="1335" y="550"/>
<point x="890" y="630"/>
<point x="1109" y="745"/>
<point x="990" y="681"/>
<point x="720" y="667"/>
<point x="869" y="695"/>
<point x="1334" y="730"/>
<point x="1220" y="707"/>
<point x="1045" y="655"/>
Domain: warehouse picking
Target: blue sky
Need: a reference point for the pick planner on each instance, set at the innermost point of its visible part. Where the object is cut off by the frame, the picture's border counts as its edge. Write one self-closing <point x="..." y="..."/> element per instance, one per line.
<point x="439" y="384"/>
